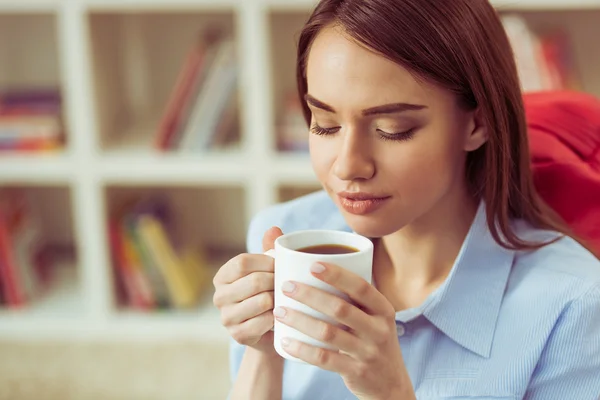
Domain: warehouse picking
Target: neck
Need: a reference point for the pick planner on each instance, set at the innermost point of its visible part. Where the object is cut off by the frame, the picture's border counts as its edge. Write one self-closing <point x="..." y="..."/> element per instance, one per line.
<point x="420" y="255"/>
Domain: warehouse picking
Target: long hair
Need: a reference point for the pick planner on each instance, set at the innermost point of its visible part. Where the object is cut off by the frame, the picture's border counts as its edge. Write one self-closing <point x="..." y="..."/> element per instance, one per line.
<point x="461" y="46"/>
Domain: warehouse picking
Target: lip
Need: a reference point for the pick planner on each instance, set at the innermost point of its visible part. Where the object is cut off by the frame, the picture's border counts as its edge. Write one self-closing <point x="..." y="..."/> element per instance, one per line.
<point x="361" y="203"/>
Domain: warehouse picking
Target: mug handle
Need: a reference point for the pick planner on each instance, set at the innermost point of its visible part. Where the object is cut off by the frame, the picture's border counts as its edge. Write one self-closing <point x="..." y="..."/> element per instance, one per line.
<point x="271" y="253"/>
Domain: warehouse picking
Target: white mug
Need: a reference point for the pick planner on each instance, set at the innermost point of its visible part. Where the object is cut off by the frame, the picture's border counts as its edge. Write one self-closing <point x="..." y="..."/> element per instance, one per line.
<point x="292" y="265"/>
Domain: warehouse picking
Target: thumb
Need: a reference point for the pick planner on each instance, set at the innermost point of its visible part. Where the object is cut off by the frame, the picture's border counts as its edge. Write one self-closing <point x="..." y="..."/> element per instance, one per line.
<point x="271" y="234"/>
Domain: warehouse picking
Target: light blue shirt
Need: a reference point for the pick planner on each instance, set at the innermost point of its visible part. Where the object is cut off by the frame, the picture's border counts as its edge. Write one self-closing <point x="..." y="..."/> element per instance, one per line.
<point x="504" y="325"/>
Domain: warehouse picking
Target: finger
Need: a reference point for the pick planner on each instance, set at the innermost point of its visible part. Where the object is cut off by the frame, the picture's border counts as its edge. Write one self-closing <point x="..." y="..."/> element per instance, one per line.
<point x="252" y="328"/>
<point x="244" y="288"/>
<point x="323" y="358"/>
<point x="242" y="265"/>
<point x="322" y="331"/>
<point x="269" y="237"/>
<point x="359" y="290"/>
<point x="235" y="314"/>
<point x="333" y="306"/>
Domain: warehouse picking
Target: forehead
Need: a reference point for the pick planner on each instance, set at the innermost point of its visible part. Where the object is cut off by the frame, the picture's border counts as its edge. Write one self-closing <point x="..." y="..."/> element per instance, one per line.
<point x="339" y="70"/>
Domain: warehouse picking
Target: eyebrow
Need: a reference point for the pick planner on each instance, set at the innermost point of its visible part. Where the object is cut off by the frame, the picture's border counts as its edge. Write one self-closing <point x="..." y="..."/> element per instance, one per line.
<point x="383" y="109"/>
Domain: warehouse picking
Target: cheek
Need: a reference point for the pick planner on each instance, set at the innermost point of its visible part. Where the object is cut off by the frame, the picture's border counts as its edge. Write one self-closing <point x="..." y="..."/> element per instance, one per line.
<point x="426" y="166"/>
<point x="322" y="155"/>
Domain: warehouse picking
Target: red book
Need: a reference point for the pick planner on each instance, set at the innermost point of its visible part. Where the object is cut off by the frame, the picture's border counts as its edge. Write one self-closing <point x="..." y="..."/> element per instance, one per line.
<point x="9" y="278"/>
<point x="137" y="294"/>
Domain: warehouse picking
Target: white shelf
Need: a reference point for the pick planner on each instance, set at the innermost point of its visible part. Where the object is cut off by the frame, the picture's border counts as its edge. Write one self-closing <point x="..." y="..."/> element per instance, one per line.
<point x="29" y="6"/>
<point x="203" y="325"/>
<point x="293" y="169"/>
<point x="36" y="169"/>
<point x="291" y="6"/>
<point x="61" y="313"/>
<point x="168" y="169"/>
<point x="61" y="304"/>
<point x="109" y="58"/>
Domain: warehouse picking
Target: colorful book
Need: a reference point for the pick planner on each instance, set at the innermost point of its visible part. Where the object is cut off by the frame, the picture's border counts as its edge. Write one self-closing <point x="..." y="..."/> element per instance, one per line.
<point x="132" y="265"/>
<point x="158" y="208"/>
<point x="182" y="284"/>
<point x="134" y="295"/>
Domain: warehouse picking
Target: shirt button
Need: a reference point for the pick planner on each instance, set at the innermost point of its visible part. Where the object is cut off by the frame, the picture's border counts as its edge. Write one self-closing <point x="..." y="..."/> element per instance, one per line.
<point x="400" y="329"/>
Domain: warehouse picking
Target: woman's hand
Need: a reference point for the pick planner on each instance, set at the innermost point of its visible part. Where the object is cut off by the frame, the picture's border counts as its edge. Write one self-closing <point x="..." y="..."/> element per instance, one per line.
<point x="244" y="296"/>
<point x="370" y="360"/>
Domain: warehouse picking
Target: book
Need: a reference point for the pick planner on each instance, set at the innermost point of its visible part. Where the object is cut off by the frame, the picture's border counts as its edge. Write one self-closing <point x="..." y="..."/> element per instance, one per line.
<point x="31" y="101"/>
<point x="123" y="285"/>
<point x="30" y="120"/>
<point x="228" y="124"/>
<point x="211" y="99"/>
<point x="10" y="279"/>
<point x="189" y="81"/>
<point x="158" y="208"/>
<point x="134" y="283"/>
<point x="182" y="91"/>
<point x="183" y="286"/>
<point x="27" y="241"/>
<point x="133" y="264"/>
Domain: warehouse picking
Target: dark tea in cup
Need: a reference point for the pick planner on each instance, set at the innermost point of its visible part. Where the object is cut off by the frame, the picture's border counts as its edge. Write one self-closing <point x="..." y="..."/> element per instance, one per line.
<point x="328" y="249"/>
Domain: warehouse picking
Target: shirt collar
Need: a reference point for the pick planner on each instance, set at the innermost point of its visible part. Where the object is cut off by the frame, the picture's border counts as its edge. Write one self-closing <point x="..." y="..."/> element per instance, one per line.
<point x="467" y="305"/>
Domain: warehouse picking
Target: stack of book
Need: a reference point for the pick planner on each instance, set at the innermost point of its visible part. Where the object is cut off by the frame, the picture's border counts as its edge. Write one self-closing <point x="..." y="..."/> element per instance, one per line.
<point x="544" y="60"/>
<point x="201" y="112"/>
<point x="153" y="269"/>
<point x="22" y="263"/>
<point x="30" y="120"/>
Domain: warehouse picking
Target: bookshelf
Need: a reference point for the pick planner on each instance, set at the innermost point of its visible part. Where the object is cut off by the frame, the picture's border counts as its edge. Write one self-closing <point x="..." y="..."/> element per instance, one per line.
<point x="115" y="62"/>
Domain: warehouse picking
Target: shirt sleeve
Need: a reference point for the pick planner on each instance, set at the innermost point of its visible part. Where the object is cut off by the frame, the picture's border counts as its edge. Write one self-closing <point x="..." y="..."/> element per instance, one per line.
<point x="569" y="367"/>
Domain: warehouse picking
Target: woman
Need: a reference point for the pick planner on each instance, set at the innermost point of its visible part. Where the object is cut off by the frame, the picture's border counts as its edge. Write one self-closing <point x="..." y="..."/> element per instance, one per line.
<point x="418" y="138"/>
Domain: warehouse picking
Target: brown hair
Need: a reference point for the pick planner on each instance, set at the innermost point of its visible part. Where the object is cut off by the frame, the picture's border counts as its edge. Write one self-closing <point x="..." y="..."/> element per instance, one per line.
<point x="459" y="45"/>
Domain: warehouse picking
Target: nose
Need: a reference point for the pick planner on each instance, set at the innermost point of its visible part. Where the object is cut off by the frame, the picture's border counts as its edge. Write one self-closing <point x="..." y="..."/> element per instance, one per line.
<point x="354" y="160"/>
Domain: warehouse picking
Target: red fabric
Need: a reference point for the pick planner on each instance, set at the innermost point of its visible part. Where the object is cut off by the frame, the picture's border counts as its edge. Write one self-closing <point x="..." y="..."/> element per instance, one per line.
<point x="564" y="137"/>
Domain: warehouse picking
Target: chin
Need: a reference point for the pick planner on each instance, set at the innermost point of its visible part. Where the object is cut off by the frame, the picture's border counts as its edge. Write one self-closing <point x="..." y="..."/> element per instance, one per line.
<point x="371" y="226"/>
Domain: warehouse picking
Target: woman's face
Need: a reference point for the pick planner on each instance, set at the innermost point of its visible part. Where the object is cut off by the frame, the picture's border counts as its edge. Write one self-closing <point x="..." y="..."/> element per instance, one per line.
<point x="387" y="148"/>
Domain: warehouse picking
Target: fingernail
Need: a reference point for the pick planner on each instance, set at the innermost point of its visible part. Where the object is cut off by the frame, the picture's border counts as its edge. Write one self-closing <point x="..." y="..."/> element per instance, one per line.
<point x="285" y="342"/>
<point x="317" y="268"/>
<point x="288" y="287"/>
<point x="279" y="312"/>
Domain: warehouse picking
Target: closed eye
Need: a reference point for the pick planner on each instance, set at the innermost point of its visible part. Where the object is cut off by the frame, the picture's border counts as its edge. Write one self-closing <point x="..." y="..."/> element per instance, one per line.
<point x="400" y="136"/>
<point x="317" y="130"/>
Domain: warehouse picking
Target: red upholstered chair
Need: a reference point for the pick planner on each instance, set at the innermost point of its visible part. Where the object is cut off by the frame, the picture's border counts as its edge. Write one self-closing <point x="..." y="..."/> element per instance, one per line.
<point x="564" y="136"/>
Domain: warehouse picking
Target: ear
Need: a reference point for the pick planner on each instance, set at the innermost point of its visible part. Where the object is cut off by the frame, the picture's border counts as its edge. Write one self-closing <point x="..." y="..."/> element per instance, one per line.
<point x="477" y="133"/>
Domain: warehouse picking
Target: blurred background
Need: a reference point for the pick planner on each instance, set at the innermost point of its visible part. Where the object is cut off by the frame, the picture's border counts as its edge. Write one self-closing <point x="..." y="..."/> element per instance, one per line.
<point x="137" y="139"/>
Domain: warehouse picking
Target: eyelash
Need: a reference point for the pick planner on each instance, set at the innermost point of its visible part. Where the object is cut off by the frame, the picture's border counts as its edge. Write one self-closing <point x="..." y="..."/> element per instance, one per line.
<point x="395" y="137"/>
